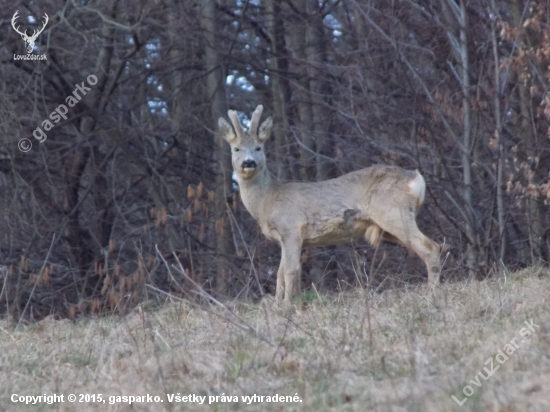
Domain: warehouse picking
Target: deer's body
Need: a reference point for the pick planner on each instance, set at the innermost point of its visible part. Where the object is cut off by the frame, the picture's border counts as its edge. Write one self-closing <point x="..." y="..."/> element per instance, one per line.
<point x="373" y="203"/>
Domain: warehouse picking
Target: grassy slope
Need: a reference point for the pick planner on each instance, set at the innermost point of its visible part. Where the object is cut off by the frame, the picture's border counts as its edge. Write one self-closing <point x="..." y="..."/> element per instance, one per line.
<point x="420" y="348"/>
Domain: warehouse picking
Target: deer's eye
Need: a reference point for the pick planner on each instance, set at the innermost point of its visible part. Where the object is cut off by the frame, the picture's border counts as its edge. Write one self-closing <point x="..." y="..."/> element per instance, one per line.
<point x="236" y="149"/>
<point x="258" y="148"/>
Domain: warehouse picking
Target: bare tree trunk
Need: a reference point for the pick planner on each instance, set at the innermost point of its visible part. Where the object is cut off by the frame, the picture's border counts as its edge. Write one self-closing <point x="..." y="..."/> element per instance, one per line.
<point x="179" y="104"/>
<point x="500" y="162"/>
<point x="534" y="213"/>
<point x="79" y="247"/>
<point x="279" y="85"/>
<point x="297" y="30"/>
<point x="78" y="237"/>
<point x="307" y="44"/>
<point x="315" y="53"/>
<point x="461" y="51"/>
<point x="215" y="89"/>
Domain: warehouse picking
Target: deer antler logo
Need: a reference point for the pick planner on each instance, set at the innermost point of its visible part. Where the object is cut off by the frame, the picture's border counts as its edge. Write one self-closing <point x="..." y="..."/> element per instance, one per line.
<point x="29" y="40"/>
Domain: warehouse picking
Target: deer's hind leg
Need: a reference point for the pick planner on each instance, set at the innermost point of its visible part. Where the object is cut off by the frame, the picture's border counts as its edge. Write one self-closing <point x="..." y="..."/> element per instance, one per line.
<point x="280" y="290"/>
<point x="405" y="232"/>
<point x="428" y="251"/>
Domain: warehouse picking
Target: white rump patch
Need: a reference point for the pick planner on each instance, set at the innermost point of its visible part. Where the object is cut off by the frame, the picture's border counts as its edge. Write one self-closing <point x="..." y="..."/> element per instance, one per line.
<point x="418" y="187"/>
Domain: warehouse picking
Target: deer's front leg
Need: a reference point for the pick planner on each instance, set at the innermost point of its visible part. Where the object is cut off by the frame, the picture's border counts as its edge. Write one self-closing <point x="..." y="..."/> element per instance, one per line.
<point x="291" y="269"/>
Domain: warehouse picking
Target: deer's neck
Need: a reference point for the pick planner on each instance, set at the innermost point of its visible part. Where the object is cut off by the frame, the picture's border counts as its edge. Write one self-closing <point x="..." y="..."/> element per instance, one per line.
<point x="255" y="192"/>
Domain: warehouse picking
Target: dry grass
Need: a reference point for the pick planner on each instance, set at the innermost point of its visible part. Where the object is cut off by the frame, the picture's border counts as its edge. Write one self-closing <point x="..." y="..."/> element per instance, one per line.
<point x="403" y="350"/>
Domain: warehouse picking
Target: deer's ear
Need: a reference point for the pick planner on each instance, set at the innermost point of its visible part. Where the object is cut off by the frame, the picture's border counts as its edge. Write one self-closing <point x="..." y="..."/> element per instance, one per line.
<point x="227" y="131"/>
<point x="265" y="129"/>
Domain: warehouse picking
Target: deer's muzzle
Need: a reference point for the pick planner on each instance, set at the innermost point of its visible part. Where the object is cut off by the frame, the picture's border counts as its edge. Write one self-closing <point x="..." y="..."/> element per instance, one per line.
<point x="249" y="165"/>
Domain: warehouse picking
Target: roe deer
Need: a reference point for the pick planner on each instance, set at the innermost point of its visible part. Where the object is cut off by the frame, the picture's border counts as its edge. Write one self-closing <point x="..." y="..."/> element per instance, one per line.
<point x="379" y="202"/>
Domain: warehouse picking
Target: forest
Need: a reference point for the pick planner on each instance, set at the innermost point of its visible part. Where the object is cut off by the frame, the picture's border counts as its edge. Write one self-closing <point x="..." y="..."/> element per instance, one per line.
<point x="116" y="187"/>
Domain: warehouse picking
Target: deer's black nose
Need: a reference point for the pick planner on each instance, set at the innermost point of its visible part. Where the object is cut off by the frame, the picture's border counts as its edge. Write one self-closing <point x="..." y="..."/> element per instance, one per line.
<point x="249" y="164"/>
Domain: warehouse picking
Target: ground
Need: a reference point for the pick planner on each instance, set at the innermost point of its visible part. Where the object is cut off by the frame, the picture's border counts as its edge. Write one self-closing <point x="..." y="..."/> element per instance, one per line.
<point x="410" y="349"/>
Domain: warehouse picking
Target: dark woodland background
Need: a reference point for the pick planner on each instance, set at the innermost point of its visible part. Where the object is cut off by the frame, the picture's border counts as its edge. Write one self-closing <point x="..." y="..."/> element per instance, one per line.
<point x="136" y="181"/>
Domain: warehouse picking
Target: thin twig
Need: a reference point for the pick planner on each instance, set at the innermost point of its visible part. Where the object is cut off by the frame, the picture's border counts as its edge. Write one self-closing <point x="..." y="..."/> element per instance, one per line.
<point x="36" y="283"/>
<point x="201" y="292"/>
<point x="230" y="212"/>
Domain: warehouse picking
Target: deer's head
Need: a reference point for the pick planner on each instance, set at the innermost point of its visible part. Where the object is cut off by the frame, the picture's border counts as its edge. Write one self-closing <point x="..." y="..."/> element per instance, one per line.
<point x="29" y="40"/>
<point x="247" y="147"/>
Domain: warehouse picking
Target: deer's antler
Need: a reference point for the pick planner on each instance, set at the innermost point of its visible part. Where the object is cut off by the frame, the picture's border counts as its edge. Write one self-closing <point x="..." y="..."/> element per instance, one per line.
<point x="234" y="117"/>
<point x="255" y="120"/>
